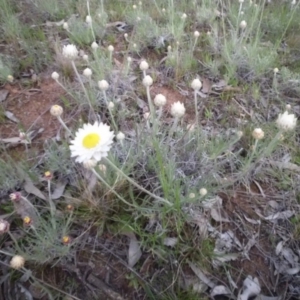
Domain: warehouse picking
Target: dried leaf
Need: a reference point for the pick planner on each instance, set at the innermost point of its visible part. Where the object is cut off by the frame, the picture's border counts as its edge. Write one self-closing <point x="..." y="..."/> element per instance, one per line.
<point x="279" y="247"/>
<point x="251" y="287"/>
<point x="59" y="190"/>
<point x="280" y="215"/>
<point x="255" y="222"/>
<point x="227" y="257"/>
<point x="201" y="275"/>
<point x="262" y="297"/>
<point x="13" y="140"/>
<point x="3" y="94"/>
<point x="212" y="202"/>
<point x="219" y="290"/>
<point x="290" y="256"/>
<point x="11" y="116"/>
<point x="171" y="242"/>
<point x="206" y="85"/>
<point x="292" y="271"/>
<point x="134" y="252"/>
<point x="30" y="188"/>
<point x="51" y="24"/>
<point x="216" y="215"/>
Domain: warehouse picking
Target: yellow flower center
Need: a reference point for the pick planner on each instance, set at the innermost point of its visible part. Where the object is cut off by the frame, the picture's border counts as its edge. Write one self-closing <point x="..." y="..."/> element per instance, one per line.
<point x="91" y="140"/>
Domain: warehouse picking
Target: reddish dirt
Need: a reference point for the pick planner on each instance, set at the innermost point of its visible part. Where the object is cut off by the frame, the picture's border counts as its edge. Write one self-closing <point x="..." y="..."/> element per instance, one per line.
<point x="31" y="106"/>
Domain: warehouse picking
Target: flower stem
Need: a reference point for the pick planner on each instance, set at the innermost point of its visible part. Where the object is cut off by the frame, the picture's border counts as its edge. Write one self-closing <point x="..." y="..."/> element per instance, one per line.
<point x="137" y="185"/>
<point x="64" y="125"/>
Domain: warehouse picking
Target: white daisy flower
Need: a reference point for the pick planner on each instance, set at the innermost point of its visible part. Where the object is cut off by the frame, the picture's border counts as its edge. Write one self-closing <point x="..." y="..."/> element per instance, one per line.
<point x="91" y="142"/>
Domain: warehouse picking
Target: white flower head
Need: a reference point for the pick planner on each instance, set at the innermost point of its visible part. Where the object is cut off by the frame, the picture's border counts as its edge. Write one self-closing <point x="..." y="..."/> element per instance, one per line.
<point x="183" y="16"/>
<point x="147" y="81"/>
<point x="66" y="26"/>
<point x="177" y="109"/>
<point x="286" y="121"/>
<point x="258" y="133"/>
<point x="103" y="85"/>
<point x="243" y="24"/>
<point x="17" y="262"/>
<point x="160" y="100"/>
<point x="110" y="105"/>
<point x="196" y="84"/>
<point x="87" y="72"/>
<point x="94" y="46"/>
<point x="56" y="110"/>
<point x="70" y="51"/>
<point x="129" y="59"/>
<point x="144" y="65"/>
<point x="196" y="34"/>
<point x="203" y="192"/>
<point x="55" y="76"/>
<point x="91" y="142"/>
<point x="88" y="19"/>
<point x="85" y="57"/>
<point x="110" y="48"/>
<point x="10" y="78"/>
<point x="120" y="136"/>
<point x="276" y="70"/>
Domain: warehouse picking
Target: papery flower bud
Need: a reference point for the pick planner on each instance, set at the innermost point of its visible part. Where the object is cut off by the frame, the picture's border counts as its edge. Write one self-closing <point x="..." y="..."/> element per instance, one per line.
<point x="258" y="134"/>
<point x="103" y="85"/>
<point x="94" y="46"/>
<point x="4" y="226"/>
<point x="48" y="175"/>
<point x="16" y="196"/>
<point x="10" y="78"/>
<point x="88" y="19"/>
<point x="66" y="26"/>
<point x="70" y="51"/>
<point x="110" y="48"/>
<point x="90" y="164"/>
<point x="183" y="16"/>
<point x="160" y="100"/>
<point x="146" y="115"/>
<point x="203" y="192"/>
<point x="102" y="168"/>
<point x="56" y="110"/>
<point x="196" y="84"/>
<point x="177" y="109"/>
<point x="55" y="76"/>
<point x="243" y="24"/>
<point x="17" y="262"/>
<point x="192" y="195"/>
<point x="66" y="240"/>
<point x="147" y="81"/>
<point x="69" y="207"/>
<point x="87" y="72"/>
<point x="27" y="221"/>
<point x="196" y="34"/>
<point x="110" y="105"/>
<point x="120" y="136"/>
<point x="276" y="70"/>
<point x="144" y="65"/>
<point x="286" y="121"/>
<point x="85" y="57"/>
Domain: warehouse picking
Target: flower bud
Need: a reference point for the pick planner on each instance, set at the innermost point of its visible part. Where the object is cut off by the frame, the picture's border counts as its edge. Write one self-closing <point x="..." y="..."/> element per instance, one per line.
<point x="103" y="85"/>
<point x="17" y="262"/>
<point x="196" y="84"/>
<point x="56" y="110"/>
<point x="147" y="81"/>
<point x="258" y="134"/>
<point x="55" y="76"/>
<point x="177" y="109"/>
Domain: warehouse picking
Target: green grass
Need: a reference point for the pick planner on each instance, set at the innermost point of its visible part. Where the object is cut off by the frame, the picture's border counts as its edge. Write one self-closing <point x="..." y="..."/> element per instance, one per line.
<point x="150" y="176"/>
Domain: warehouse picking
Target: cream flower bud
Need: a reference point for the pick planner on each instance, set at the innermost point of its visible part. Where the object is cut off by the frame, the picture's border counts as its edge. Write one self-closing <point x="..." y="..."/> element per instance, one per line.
<point x="125" y="35"/>
<point x="120" y="136"/>
<point x="177" y="109"/>
<point x="144" y="65"/>
<point x="147" y="81"/>
<point x="55" y="76"/>
<point x="196" y="84"/>
<point x="258" y="134"/>
<point x="196" y="34"/>
<point x="163" y="10"/>
<point x="288" y="107"/>
<point x="56" y="110"/>
<point x="134" y="6"/>
<point x="102" y="168"/>
<point x="17" y="262"/>
<point x="88" y="19"/>
<point x="240" y="133"/>
<point x="70" y="51"/>
<point x="160" y="100"/>
<point x="241" y="1"/>
<point x="90" y="164"/>
<point x="276" y="70"/>
<point x="87" y="72"/>
<point x="146" y="115"/>
<point x="103" y="85"/>
<point x="110" y="48"/>
<point x="85" y="57"/>
<point x="111" y="105"/>
<point x="4" y="226"/>
<point x="66" y="26"/>
<point x="243" y="24"/>
<point x="94" y="46"/>
<point x="129" y="59"/>
<point x="192" y="195"/>
<point x="184" y="16"/>
<point x="10" y="78"/>
<point x="286" y="121"/>
<point x="203" y="192"/>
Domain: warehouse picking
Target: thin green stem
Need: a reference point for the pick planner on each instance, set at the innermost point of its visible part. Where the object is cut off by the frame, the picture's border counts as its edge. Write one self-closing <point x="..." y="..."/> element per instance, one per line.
<point x="64" y="125"/>
<point x="136" y="184"/>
